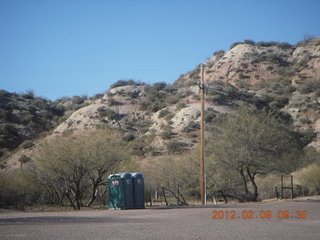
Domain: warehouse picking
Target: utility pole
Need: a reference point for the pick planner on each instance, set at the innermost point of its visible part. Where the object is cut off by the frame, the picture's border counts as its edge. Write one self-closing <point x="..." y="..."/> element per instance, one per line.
<point x="202" y="180"/>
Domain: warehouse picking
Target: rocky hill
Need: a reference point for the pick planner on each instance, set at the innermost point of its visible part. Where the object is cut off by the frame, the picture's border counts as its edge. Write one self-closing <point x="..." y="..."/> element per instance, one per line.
<point x="163" y="119"/>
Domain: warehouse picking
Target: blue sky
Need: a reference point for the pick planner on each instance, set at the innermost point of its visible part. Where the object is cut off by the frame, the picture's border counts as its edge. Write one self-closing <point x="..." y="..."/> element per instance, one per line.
<point x="80" y="47"/>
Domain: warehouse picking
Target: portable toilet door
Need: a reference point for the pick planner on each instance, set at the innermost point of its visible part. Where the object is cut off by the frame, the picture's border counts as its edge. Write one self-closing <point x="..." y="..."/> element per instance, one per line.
<point x="116" y="193"/>
<point x="138" y="189"/>
<point x="127" y="186"/>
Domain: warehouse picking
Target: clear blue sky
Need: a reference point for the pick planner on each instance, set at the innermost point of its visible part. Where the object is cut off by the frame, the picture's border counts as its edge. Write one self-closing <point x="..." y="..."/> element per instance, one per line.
<point x="80" y="47"/>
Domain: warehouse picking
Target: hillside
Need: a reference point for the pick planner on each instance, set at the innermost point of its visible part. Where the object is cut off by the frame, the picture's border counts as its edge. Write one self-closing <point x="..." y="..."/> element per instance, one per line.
<point x="164" y="119"/>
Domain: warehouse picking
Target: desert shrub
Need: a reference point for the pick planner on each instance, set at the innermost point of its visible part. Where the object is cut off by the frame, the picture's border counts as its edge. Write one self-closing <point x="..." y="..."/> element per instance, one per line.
<point x="159" y="86"/>
<point x="181" y="105"/>
<point x="25" y="117"/>
<point x="317" y="93"/>
<point x="122" y="83"/>
<point x="242" y="76"/>
<point x="173" y="99"/>
<point x="242" y="84"/>
<point x="191" y="126"/>
<point x="166" y="133"/>
<point x="309" y="179"/>
<point x="143" y="125"/>
<point x="266" y="44"/>
<point x="250" y="42"/>
<point x="155" y="97"/>
<point x="113" y="102"/>
<point x="209" y="116"/>
<point x="169" y="117"/>
<point x="174" y="146"/>
<point x="235" y="44"/>
<point x="97" y="96"/>
<point x="287" y="71"/>
<point x="195" y="74"/>
<point x="77" y="100"/>
<point x="163" y="113"/>
<point x="109" y="113"/>
<point x="279" y="102"/>
<point x="309" y="87"/>
<point x="156" y="106"/>
<point x="219" y="54"/>
<point x="19" y="189"/>
<point x="305" y="121"/>
<point x="134" y="94"/>
<point x="58" y="109"/>
<point x="24" y="159"/>
<point x="128" y="137"/>
<point x="284" y="45"/>
<point x="307" y="136"/>
<point x="28" y="95"/>
<point x="27" y="144"/>
<point x="307" y="38"/>
<point x="267" y="185"/>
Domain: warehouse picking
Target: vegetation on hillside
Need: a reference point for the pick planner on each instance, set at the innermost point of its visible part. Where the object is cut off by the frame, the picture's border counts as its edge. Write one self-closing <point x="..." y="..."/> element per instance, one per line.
<point x="261" y="120"/>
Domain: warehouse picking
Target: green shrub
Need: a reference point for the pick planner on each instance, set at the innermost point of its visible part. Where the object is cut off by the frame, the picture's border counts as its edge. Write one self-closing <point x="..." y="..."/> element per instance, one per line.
<point x="219" y="54"/>
<point x="174" y="146"/>
<point x="156" y="106"/>
<point x="250" y="42"/>
<point x="317" y="93"/>
<point x="181" y="105"/>
<point x="209" y="116"/>
<point x="305" y="121"/>
<point x="122" y="83"/>
<point x="266" y="44"/>
<point x="113" y="102"/>
<point x="169" y="117"/>
<point x="27" y="144"/>
<point x="309" y="87"/>
<point x="242" y="84"/>
<point x="173" y="99"/>
<point x="163" y="113"/>
<point x="195" y="74"/>
<point x="134" y="94"/>
<point x="235" y="44"/>
<point x="191" y="126"/>
<point x="109" y="113"/>
<point x="284" y="45"/>
<point x="77" y="100"/>
<point x="28" y="95"/>
<point x="307" y="136"/>
<point x="167" y="134"/>
<point x="128" y="137"/>
<point x="279" y="102"/>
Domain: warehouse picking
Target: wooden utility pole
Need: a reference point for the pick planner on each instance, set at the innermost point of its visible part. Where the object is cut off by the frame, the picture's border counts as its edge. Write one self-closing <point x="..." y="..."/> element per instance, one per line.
<point x="202" y="180"/>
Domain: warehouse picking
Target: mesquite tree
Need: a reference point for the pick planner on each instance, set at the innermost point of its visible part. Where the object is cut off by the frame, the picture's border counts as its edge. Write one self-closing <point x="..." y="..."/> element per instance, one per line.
<point x="79" y="163"/>
<point x="252" y="142"/>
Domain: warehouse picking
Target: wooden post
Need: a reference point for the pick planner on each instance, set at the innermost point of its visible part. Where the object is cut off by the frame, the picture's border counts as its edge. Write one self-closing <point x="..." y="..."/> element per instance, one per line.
<point x="202" y="91"/>
<point x="291" y="186"/>
<point x="281" y="186"/>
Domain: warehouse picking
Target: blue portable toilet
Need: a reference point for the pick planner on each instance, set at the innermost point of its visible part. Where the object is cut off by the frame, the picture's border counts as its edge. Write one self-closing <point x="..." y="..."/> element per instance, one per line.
<point x="138" y="190"/>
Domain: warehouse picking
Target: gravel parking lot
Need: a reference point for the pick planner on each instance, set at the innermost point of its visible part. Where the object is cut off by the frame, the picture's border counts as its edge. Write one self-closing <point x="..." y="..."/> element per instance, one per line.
<point x="238" y="221"/>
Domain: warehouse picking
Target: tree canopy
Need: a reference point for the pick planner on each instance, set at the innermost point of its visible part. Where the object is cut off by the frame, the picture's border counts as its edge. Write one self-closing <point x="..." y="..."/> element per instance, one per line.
<point x="252" y="142"/>
<point x="74" y="166"/>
